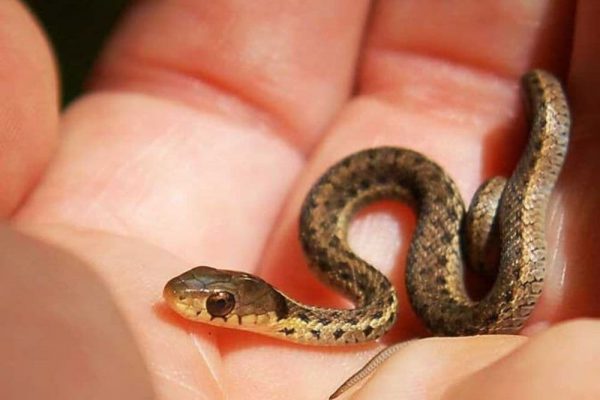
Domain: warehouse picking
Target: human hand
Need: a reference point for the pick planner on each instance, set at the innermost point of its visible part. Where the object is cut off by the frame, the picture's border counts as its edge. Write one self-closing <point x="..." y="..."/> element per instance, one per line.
<point x="203" y="128"/>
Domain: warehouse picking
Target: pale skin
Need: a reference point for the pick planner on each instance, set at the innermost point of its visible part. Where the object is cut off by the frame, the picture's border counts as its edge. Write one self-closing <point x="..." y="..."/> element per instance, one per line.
<point x="202" y="129"/>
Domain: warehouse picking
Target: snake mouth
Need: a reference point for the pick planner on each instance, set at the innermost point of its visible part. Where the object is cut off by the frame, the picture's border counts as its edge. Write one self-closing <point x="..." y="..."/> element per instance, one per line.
<point x="180" y="297"/>
<point x="177" y="293"/>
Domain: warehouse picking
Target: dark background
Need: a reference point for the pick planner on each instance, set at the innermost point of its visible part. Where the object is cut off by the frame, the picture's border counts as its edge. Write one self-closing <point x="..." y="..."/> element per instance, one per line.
<point x="77" y="30"/>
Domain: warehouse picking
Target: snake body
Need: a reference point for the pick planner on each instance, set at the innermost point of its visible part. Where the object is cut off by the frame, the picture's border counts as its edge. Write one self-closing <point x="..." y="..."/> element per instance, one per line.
<point x="514" y="210"/>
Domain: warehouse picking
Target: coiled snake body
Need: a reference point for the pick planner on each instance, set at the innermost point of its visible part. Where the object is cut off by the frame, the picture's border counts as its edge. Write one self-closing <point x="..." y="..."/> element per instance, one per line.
<point x="434" y="269"/>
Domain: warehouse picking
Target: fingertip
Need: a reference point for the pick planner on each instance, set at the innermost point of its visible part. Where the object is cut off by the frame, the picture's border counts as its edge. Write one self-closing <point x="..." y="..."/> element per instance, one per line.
<point x="559" y="363"/>
<point x="428" y="368"/>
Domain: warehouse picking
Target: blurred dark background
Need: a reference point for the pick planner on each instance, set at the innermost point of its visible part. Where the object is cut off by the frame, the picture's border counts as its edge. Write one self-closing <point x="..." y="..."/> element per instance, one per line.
<point x="77" y="30"/>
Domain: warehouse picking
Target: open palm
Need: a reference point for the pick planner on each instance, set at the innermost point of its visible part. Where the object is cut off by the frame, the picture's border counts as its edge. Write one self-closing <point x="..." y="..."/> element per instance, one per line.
<point x="204" y="126"/>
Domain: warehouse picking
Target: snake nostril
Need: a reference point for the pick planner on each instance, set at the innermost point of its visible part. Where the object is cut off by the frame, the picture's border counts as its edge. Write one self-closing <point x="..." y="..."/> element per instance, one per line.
<point x="174" y="291"/>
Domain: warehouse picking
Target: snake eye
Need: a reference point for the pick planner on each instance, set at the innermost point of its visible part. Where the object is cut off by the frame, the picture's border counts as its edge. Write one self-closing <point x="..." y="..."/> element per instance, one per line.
<point x="220" y="304"/>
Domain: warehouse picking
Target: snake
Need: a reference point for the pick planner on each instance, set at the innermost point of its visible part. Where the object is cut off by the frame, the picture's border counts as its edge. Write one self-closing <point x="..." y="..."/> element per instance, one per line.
<point x="506" y="214"/>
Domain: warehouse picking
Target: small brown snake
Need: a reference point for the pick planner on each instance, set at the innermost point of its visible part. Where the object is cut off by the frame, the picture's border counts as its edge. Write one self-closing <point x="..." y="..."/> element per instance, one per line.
<point x="511" y="211"/>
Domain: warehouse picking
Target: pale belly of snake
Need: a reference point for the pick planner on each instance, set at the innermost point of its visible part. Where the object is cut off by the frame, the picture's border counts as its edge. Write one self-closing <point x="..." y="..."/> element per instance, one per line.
<point x="446" y="239"/>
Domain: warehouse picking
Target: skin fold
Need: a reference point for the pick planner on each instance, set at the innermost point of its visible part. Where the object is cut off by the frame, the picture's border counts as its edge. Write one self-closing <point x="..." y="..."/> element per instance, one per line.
<point x="201" y="130"/>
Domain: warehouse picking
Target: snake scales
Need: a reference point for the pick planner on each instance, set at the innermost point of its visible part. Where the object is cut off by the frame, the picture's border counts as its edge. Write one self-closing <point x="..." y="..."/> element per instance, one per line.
<point x="511" y="210"/>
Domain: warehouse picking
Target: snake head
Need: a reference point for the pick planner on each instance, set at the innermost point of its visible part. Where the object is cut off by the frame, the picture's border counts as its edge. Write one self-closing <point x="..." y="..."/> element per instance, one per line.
<point x="222" y="297"/>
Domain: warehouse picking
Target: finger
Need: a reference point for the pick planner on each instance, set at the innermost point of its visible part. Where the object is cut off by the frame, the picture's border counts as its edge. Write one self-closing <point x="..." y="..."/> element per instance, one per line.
<point x="183" y="141"/>
<point x="454" y="73"/>
<point x="28" y="106"/>
<point x="456" y="109"/>
<point x="576" y="276"/>
<point x="557" y="364"/>
<point x="428" y="368"/>
<point x="288" y="64"/>
<point x="61" y="326"/>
